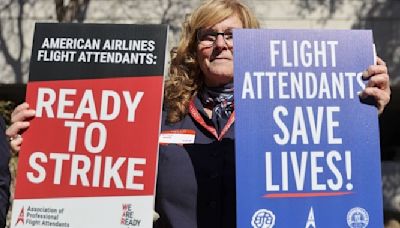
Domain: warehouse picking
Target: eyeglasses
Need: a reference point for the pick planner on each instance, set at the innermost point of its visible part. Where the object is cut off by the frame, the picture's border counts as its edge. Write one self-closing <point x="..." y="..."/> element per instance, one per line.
<point x="207" y="37"/>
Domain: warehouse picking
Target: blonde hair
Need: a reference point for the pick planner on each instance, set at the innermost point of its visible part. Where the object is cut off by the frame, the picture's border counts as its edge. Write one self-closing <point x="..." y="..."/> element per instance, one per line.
<point x="185" y="76"/>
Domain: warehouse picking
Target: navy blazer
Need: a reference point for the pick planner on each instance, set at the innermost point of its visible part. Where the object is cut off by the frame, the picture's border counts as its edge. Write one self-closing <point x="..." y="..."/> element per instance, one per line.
<point x="196" y="182"/>
<point x="5" y="176"/>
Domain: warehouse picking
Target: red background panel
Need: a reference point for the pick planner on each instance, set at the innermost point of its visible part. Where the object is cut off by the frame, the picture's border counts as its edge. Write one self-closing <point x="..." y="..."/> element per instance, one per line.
<point x="137" y="139"/>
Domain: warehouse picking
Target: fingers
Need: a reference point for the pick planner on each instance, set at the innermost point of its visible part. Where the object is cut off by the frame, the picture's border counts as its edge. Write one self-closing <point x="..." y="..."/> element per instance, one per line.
<point x="22" y="113"/>
<point x="379" y="61"/>
<point x="16" y="143"/>
<point x="16" y="127"/>
<point x="20" y="121"/>
<point x="19" y="108"/>
<point x="374" y="70"/>
<point x="381" y="97"/>
<point x="12" y="133"/>
<point x="381" y="81"/>
<point x="378" y="85"/>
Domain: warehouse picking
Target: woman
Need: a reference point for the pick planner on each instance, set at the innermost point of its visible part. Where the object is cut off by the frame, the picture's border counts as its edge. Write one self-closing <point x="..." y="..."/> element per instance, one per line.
<point x="196" y="177"/>
<point x="196" y="182"/>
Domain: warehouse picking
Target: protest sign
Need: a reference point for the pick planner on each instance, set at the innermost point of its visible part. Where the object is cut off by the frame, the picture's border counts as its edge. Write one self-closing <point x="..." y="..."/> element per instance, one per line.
<point x="307" y="147"/>
<point x="89" y="157"/>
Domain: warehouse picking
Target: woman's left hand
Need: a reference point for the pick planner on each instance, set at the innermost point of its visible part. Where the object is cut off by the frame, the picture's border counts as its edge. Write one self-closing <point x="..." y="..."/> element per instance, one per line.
<point x="378" y="85"/>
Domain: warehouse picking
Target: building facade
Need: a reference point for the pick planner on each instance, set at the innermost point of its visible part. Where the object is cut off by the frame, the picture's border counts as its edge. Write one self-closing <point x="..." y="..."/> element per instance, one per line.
<point x="17" y="19"/>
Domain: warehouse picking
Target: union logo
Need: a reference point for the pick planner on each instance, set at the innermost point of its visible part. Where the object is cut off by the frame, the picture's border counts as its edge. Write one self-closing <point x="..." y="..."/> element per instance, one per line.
<point x="21" y="217"/>
<point x="263" y="218"/>
<point x="357" y="217"/>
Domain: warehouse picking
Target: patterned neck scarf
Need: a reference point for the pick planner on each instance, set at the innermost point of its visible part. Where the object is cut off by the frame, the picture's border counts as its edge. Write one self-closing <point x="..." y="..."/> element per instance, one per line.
<point x="218" y="99"/>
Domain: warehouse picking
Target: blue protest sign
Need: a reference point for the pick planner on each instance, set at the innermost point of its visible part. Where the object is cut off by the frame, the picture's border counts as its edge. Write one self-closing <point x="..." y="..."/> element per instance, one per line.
<point x="307" y="148"/>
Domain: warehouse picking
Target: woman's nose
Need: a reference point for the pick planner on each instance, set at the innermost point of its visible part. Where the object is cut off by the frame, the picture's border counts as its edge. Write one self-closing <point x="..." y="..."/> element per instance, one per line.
<point x="220" y="41"/>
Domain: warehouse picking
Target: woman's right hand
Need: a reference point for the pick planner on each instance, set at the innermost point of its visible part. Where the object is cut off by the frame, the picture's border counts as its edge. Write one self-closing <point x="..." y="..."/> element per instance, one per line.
<point x="19" y="122"/>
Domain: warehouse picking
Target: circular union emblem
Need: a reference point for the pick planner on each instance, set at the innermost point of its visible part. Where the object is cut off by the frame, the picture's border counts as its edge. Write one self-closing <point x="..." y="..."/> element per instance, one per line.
<point x="263" y="218"/>
<point x="357" y="217"/>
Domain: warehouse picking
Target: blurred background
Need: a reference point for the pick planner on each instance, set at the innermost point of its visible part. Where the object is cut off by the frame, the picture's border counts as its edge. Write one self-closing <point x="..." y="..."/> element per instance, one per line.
<point x="18" y="17"/>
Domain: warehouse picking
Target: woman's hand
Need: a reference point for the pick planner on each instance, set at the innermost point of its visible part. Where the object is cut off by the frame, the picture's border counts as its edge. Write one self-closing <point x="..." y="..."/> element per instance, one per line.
<point x="378" y="85"/>
<point x="19" y="122"/>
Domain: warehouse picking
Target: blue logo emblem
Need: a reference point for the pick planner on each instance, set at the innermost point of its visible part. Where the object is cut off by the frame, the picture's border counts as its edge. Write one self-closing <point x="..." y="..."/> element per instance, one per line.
<point x="263" y="218"/>
<point x="357" y="217"/>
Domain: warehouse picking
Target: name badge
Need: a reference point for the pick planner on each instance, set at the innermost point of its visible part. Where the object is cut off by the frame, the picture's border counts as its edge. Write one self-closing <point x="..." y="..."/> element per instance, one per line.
<point x="181" y="136"/>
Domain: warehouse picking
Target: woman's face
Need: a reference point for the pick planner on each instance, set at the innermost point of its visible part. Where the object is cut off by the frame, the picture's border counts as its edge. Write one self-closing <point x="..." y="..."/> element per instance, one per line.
<point x="216" y="59"/>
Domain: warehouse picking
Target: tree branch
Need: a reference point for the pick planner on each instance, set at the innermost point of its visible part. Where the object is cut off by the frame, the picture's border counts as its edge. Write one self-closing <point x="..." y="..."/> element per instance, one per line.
<point x="164" y="18"/>
<point x="74" y="11"/>
<point x="60" y="11"/>
<point x="15" y="63"/>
